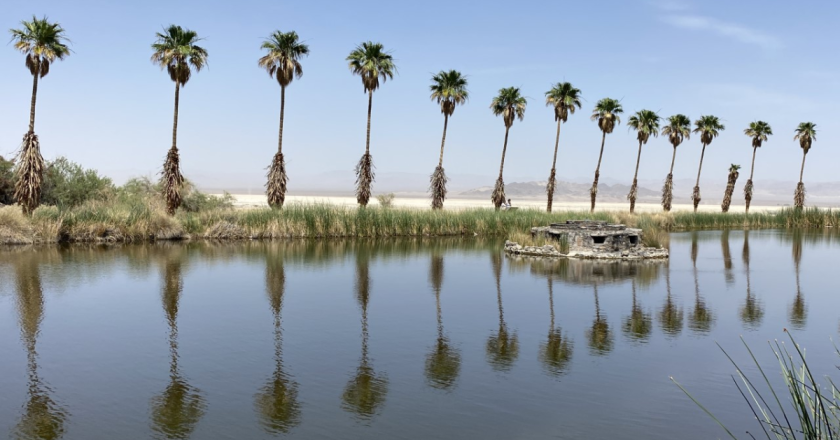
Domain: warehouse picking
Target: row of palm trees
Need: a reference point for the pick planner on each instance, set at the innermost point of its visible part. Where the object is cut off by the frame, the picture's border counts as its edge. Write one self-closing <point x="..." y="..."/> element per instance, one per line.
<point x="177" y="51"/>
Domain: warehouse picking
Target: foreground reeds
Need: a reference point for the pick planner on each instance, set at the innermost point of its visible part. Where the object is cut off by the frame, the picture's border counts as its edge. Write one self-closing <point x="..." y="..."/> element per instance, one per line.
<point x="143" y="219"/>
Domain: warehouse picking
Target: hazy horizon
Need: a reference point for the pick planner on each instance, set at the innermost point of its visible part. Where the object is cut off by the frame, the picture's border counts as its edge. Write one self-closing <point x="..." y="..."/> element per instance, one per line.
<point x="108" y="108"/>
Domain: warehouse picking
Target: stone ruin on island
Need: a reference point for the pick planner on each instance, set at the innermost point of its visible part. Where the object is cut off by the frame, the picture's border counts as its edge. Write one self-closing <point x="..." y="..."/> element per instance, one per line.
<point x="588" y="239"/>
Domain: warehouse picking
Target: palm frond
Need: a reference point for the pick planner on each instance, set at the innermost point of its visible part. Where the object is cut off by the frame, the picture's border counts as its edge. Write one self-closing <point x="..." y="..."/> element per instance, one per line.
<point x="176" y="50"/>
<point x="276" y="184"/>
<point x="758" y="131"/>
<point x="607" y="112"/>
<point x="806" y="133"/>
<point x="510" y="104"/>
<point x="42" y="42"/>
<point x="364" y="177"/>
<point x="282" y="60"/>
<point x="371" y="62"/>
<point x="564" y="98"/>
<point x="437" y="186"/>
<point x="678" y="129"/>
<point x="30" y="173"/>
<point x="708" y="127"/>
<point x="449" y="89"/>
<point x="646" y="124"/>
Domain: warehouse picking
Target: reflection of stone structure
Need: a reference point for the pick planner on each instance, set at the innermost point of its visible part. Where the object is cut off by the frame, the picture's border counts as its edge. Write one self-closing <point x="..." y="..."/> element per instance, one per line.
<point x="589" y="239"/>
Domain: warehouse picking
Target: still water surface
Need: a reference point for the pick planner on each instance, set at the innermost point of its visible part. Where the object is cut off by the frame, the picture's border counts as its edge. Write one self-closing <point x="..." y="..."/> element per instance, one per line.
<point x="399" y="339"/>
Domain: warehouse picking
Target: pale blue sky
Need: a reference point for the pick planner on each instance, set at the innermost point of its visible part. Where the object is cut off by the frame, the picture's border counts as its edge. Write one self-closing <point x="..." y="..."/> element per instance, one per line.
<point x="109" y="108"/>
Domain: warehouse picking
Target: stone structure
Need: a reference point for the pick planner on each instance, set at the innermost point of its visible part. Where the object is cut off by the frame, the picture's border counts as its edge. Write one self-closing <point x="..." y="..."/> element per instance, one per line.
<point x="589" y="239"/>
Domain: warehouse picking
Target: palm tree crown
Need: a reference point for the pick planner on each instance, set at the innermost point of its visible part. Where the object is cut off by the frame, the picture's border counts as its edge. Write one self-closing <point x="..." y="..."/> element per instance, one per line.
<point x="758" y="131"/>
<point x="370" y="61"/>
<point x="646" y="124"/>
<point x="606" y="112"/>
<point x="708" y="127"/>
<point x="564" y="98"/>
<point x="176" y="50"/>
<point x="449" y="89"/>
<point x="283" y="58"/>
<point x="510" y="104"/>
<point x="678" y="129"/>
<point x="806" y="133"/>
<point x="42" y="42"/>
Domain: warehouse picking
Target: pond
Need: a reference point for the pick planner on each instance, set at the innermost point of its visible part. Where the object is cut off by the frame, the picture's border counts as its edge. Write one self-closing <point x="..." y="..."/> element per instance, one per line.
<point x="401" y="339"/>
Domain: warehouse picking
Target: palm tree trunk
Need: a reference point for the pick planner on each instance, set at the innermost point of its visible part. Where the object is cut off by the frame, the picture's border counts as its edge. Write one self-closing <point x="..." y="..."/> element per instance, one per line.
<point x="364" y="170"/>
<point x="32" y="104"/>
<point x="799" y="195"/>
<point x="438" y="179"/>
<point x="633" y="188"/>
<point x="668" y="187"/>
<point x="593" y="192"/>
<point x="277" y="178"/>
<point x="695" y="196"/>
<point x="172" y="178"/>
<point x="498" y="196"/>
<point x="552" y="182"/>
<point x="748" y="188"/>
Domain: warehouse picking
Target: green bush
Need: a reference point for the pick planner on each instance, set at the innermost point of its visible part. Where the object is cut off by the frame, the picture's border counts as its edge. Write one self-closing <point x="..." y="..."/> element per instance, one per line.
<point x="67" y="184"/>
<point x="7" y="182"/>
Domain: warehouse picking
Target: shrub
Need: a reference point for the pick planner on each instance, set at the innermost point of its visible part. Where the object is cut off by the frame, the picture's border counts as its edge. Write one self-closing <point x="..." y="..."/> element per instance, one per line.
<point x="67" y="184"/>
<point x="7" y="182"/>
<point x="386" y="200"/>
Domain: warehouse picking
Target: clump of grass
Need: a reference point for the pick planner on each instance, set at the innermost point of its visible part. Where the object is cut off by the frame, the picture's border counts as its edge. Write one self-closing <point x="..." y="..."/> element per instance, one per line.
<point x="386" y="200"/>
<point x="812" y="411"/>
<point x="14" y="226"/>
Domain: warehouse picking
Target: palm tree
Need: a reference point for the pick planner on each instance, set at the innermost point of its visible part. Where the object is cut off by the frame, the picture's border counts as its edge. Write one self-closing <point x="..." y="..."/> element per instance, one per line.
<point x="502" y="346"/>
<point x="606" y="113"/>
<point x="646" y="124"/>
<point x="798" y="312"/>
<point x="730" y="187"/>
<point x="176" y="51"/>
<point x="371" y="62"/>
<point x="677" y="130"/>
<point x="758" y="131"/>
<point x="283" y="63"/>
<point x="708" y="127"/>
<point x="449" y="89"/>
<point x="671" y="314"/>
<point x="563" y="97"/>
<point x="41" y="42"/>
<point x="510" y="104"/>
<point x="702" y="318"/>
<point x="637" y="326"/>
<point x="599" y="334"/>
<point x="806" y="134"/>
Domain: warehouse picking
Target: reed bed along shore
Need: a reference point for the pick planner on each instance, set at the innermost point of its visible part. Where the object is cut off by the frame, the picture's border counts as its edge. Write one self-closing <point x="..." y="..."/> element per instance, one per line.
<point x="146" y="220"/>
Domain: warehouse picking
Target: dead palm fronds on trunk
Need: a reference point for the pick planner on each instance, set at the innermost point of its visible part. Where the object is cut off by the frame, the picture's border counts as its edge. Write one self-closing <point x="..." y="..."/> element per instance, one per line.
<point x="509" y="104"/>
<point x="606" y="113"/>
<point x="41" y="42"/>
<point x="449" y="89"/>
<point x="708" y="127"/>
<point x="282" y="62"/>
<point x="176" y="51"/>
<point x="758" y="131"/>
<point x="806" y="134"/>
<point x="730" y="187"/>
<point x="677" y="130"/>
<point x="371" y="62"/>
<point x="563" y="97"/>
<point x="646" y="124"/>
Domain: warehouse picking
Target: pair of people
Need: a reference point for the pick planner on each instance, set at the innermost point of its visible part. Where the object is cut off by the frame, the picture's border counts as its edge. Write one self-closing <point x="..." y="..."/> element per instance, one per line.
<point x="507" y="205"/>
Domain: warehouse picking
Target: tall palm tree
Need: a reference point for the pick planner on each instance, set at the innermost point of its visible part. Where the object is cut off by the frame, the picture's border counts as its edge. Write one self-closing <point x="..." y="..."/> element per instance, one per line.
<point x="758" y="131"/>
<point x="646" y="124"/>
<point x="510" y="104"/>
<point x="563" y="97"/>
<point x="677" y="130"/>
<point x="806" y="134"/>
<point x="730" y="187"/>
<point x="606" y="113"/>
<point x="177" y="51"/>
<point x="708" y="127"/>
<point x="371" y="62"/>
<point x="449" y="89"/>
<point x="41" y="42"/>
<point x="282" y="62"/>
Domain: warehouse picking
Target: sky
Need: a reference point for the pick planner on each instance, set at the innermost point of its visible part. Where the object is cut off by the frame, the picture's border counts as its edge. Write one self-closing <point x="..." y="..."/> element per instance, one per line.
<point x="109" y="108"/>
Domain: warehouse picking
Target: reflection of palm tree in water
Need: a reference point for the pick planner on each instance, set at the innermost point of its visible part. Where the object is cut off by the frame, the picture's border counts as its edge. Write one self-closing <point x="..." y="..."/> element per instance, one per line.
<point x="671" y="315"/>
<point x="637" y="325"/>
<point x="600" y="335"/>
<point x="502" y="346"/>
<point x="42" y="417"/>
<point x="177" y="410"/>
<point x="798" y="314"/>
<point x="701" y="317"/>
<point x="365" y="393"/>
<point x="443" y="363"/>
<point x="752" y="311"/>
<point x="276" y="402"/>
<point x="727" y="254"/>
<point x="556" y="353"/>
